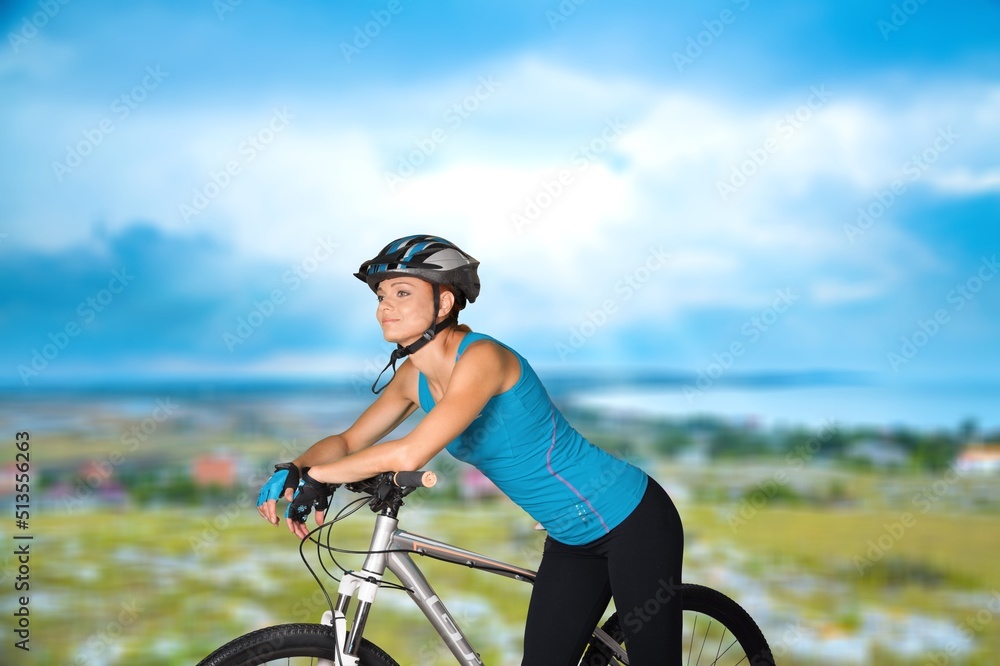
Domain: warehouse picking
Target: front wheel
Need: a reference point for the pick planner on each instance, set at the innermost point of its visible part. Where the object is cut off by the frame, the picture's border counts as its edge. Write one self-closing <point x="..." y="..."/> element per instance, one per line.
<point x="290" y="644"/>
<point x="717" y="632"/>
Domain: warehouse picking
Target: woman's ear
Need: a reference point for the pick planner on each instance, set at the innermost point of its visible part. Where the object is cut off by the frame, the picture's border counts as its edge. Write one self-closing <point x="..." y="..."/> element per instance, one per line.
<point x="447" y="302"/>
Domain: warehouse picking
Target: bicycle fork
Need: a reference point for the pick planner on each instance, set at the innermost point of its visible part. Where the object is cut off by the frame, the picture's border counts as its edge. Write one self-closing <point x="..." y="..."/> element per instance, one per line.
<point x="364" y="585"/>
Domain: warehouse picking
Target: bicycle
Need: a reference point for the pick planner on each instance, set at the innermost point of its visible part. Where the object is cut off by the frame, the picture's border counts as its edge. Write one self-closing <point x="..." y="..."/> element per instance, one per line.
<point x="717" y="630"/>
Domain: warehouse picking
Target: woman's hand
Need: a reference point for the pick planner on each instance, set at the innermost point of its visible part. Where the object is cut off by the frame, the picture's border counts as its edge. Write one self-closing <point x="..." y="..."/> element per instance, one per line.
<point x="312" y="494"/>
<point x="282" y="484"/>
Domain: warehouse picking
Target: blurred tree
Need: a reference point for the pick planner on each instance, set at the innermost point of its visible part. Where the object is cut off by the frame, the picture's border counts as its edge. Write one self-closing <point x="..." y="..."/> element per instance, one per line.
<point x="936" y="451"/>
<point x="968" y="430"/>
<point x="731" y="441"/>
<point x="670" y="441"/>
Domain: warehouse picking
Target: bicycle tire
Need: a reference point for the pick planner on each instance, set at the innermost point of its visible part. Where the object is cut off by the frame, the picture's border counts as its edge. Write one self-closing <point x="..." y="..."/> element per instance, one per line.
<point x="741" y="641"/>
<point x="288" y="641"/>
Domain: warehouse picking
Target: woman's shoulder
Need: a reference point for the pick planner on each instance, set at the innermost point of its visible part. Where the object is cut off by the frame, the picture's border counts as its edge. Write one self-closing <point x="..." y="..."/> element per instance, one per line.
<point x="471" y="337"/>
<point x="478" y="345"/>
<point x="486" y="344"/>
<point x="475" y="338"/>
<point x="488" y="353"/>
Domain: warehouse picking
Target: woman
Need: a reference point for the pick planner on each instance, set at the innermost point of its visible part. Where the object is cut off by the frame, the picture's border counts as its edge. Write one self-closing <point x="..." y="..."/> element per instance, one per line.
<point x="612" y="531"/>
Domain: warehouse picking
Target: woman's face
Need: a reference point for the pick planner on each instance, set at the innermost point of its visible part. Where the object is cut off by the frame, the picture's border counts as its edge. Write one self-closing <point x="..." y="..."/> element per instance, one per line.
<point x="404" y="308"/>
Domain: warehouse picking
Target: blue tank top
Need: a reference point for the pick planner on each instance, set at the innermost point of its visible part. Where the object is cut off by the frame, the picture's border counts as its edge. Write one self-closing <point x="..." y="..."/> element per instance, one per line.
<point x="522" y="443"/>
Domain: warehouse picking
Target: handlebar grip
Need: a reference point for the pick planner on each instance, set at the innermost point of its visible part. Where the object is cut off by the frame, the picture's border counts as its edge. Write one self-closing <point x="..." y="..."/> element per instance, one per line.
<point x="415" y="479"/>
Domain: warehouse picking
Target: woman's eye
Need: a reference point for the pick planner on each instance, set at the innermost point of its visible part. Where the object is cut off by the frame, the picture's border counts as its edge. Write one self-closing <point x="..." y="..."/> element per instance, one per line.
<point x="379" y="298"/>
<point x="402" y="293"/>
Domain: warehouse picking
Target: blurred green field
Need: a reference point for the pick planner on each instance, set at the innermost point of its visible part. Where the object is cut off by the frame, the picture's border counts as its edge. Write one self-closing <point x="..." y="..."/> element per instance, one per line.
<point x="166" y="586"/>
<point x="943" y="566"/>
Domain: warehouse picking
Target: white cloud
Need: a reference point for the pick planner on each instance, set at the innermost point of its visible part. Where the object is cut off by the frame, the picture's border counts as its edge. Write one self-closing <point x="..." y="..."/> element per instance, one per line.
<point x="832" y="291"/>
<point x="965" y="181"/>
<point x="655" y="185"/>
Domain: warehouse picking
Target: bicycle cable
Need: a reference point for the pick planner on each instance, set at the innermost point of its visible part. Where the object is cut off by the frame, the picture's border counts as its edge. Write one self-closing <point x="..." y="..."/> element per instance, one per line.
<point x="311" y="536"/>
<point x="346" y="511"/>
<point x="332" y="549"/>
<point x="388" y="584"/>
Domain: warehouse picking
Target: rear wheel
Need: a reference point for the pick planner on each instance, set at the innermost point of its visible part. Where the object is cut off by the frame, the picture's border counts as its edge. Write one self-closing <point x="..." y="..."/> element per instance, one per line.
<point x="293" y="644"/>
<point x="717" y="632"/>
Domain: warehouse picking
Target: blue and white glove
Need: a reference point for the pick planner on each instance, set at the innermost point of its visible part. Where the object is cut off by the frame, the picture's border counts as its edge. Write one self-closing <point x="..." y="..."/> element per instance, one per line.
<point x="286" y="475"/>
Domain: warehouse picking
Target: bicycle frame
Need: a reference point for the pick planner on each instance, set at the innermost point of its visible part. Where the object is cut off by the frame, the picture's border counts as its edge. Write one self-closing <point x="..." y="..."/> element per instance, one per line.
<point x="392" y="548"/>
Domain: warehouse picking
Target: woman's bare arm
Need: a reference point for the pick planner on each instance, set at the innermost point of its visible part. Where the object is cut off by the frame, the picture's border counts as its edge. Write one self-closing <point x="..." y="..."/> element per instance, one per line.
<point x="480" y="374"/>
<point x="380" y="418"/>
<point x="391" y="408"/>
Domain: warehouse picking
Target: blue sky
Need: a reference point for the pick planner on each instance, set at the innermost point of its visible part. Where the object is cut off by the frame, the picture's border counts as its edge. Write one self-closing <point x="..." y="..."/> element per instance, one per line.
<point x="189" y="186"/>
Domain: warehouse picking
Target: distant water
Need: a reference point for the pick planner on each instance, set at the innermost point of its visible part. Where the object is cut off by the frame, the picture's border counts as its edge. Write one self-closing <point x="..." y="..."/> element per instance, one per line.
<point x="809" y="399"/>
<point x="918" y="406"/>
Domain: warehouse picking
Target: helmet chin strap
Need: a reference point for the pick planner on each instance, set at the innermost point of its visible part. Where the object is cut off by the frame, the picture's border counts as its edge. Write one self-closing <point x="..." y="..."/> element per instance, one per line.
<point x="402" y="352"/>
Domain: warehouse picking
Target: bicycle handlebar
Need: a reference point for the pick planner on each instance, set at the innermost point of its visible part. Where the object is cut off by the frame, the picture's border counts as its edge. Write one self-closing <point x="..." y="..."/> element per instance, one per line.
<point x="388" y="489"/>
<point x="415" y="479"/>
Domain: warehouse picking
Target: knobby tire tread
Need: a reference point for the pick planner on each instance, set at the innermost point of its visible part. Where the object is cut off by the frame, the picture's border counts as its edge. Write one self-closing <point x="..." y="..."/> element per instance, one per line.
<point x="290" y="640"/>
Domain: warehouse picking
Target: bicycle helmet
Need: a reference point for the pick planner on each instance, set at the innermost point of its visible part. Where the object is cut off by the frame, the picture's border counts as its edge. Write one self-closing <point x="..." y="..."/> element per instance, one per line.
<point x="430" y="258"/>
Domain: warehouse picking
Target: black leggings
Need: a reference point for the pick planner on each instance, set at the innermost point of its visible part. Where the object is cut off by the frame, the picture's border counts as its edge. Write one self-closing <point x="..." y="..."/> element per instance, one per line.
<point x="638" y="563"/>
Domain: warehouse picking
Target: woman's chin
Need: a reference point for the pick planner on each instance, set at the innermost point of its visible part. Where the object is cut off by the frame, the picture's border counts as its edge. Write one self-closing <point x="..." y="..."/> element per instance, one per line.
<point x="392" y="336"/>
<point x="398" y="339"/>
